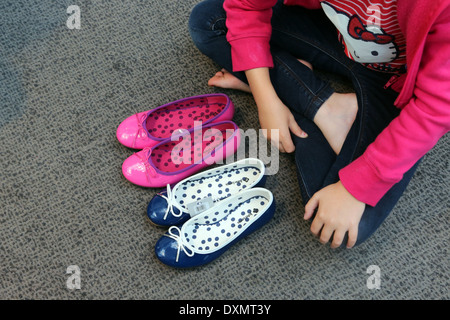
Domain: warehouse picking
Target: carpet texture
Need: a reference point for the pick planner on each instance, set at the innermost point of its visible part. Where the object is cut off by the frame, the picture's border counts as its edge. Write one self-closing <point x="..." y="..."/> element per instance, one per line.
<point x="65" y="202"/>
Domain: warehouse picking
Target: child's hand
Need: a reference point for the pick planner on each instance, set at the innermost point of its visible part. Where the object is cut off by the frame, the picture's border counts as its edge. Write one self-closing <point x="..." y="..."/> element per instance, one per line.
<point x="338" y="212"/>
<point x="275" y="115"/>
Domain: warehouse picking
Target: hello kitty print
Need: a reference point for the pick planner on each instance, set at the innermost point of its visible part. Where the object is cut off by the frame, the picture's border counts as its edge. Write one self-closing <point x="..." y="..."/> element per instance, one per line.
<point x="369" y="32"/>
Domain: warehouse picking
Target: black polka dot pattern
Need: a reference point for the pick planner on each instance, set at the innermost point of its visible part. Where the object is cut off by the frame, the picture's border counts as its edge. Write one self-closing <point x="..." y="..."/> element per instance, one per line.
<point x="217" y="228"/>
<point x="190" y="148"/>
<point x="163" y="122"/>
<point x="218" y="184"/>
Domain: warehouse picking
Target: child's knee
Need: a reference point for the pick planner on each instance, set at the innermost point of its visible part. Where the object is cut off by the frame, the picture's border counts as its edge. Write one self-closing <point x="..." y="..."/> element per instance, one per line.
<point x="203" y="14"/>
<point x="206" y="21"/>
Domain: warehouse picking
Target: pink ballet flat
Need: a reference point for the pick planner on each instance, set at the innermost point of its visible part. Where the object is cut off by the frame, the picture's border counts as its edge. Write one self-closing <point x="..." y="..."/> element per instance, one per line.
<point x="148" y="128"/>
<point x="172" y="160"/>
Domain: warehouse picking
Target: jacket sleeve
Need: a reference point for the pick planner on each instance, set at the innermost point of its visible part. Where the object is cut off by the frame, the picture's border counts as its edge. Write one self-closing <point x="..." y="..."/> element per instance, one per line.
<point x="421" y="123"/>
<point x="249" y="32"/>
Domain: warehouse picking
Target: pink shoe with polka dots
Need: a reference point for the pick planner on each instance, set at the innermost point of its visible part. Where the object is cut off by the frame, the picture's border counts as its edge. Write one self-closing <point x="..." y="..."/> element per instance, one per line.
<point x="174" y="159"/>
<point x="148" y="128"/>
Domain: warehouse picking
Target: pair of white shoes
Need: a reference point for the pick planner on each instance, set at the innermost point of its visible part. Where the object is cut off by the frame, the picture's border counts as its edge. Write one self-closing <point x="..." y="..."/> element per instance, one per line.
<point x="210" y="211"/>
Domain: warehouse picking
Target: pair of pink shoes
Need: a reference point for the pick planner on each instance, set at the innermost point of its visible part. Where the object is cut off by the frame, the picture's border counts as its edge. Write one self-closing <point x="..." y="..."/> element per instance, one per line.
<point x="178" y="139"/>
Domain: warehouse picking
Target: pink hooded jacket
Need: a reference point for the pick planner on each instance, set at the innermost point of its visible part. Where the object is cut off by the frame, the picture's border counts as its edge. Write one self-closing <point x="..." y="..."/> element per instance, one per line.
<point x="424" y="91"/>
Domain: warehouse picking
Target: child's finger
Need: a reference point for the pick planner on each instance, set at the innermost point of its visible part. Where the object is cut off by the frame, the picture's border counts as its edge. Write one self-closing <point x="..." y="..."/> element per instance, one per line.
<point x="288" y="145"/>
<point x="312" y="204"/>
<point x="295" y="129"/>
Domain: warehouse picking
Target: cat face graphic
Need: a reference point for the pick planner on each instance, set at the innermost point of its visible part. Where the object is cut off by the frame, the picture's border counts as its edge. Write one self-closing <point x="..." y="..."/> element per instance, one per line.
<point x="366" y="43"/>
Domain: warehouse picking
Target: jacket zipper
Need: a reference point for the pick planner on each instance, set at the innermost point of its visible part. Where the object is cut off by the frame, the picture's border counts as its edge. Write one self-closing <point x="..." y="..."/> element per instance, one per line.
<point x="391" y="81"/>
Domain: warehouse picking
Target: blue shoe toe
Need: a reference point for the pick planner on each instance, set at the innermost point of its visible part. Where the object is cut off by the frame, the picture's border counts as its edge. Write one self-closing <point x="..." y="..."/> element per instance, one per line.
<point x="166" y="250"/>
<point x="158" y="212"/>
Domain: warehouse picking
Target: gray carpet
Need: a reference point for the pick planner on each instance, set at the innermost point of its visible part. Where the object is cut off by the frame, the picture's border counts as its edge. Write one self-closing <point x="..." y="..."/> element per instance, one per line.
<point x="65" y="202"/>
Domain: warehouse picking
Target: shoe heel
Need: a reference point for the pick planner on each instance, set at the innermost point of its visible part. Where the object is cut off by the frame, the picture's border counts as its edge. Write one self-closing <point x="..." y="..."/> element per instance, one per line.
<point x="261" y="183"/>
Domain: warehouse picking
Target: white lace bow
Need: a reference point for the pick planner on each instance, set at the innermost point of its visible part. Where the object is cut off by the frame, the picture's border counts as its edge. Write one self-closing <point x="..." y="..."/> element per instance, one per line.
<point x="180" y="243"/>
<point x="171" y="204"/>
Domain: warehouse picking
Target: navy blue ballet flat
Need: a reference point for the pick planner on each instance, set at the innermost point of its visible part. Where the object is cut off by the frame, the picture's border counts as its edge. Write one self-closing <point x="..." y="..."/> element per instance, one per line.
<point x="203" y="190"/>
<point x="208" y="235"/>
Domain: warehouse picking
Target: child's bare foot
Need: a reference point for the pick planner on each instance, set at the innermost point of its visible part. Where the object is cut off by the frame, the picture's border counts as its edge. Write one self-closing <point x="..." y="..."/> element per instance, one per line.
<point x="224" y="79"/>
<point x="335" y="118"/>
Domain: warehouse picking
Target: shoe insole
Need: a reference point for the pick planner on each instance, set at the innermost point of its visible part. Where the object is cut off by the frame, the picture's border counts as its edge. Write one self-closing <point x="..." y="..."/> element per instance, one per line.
<point x="217" y="185"/>
<point x="216" y="229"/>
<point x="162" y="122"/>
<point x="190" y="148"/>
